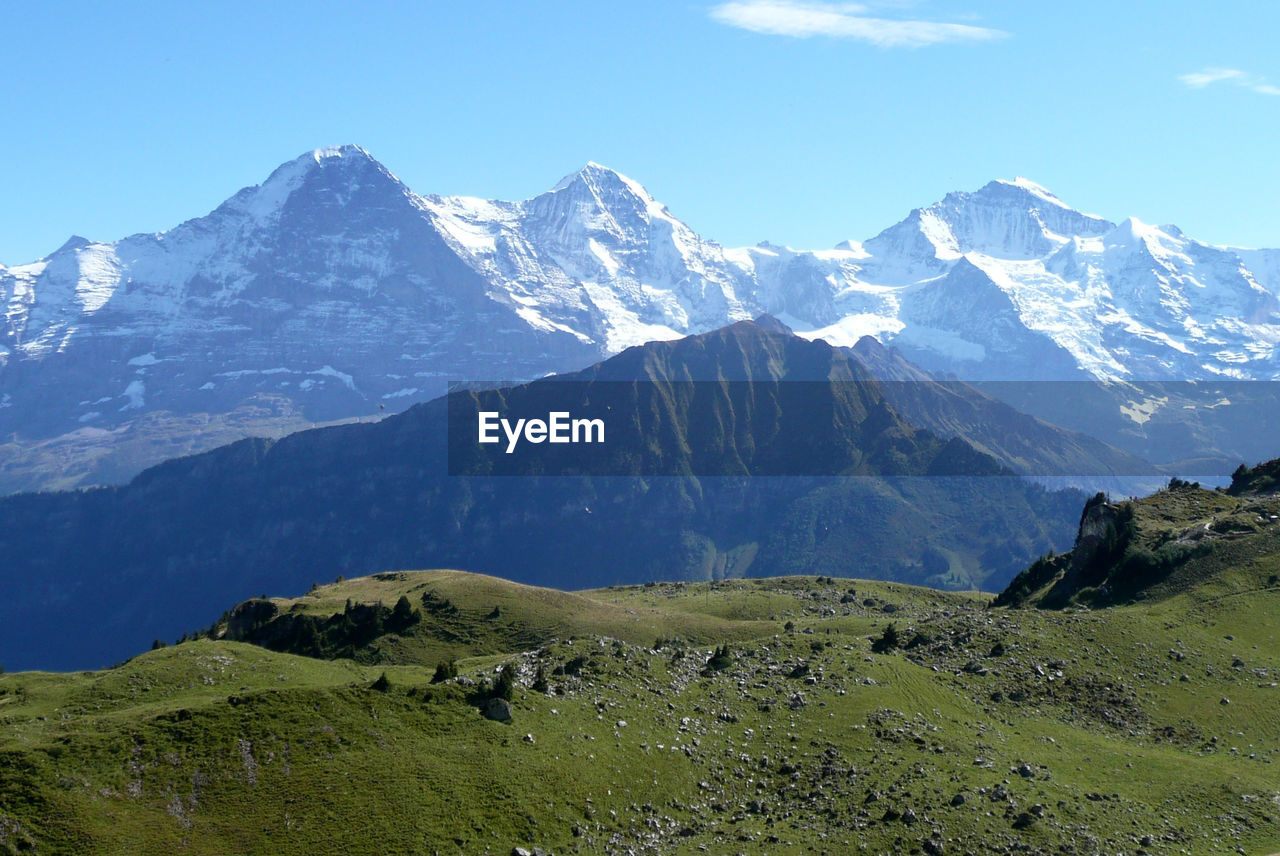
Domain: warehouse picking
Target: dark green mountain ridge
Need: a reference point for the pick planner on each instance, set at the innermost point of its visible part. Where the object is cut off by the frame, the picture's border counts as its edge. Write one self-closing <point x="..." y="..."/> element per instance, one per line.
<point x="91" y="576"/>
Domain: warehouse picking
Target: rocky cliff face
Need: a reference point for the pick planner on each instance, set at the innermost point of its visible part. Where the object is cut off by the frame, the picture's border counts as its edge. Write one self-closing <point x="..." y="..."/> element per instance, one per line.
<point x="1103" y="535"/>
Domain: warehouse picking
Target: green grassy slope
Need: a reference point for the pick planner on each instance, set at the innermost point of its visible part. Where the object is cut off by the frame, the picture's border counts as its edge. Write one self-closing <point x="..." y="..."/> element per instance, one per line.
<point x="1180" y="539"/>
<point x="989" y="731"/>
<point x="461" y="614"/>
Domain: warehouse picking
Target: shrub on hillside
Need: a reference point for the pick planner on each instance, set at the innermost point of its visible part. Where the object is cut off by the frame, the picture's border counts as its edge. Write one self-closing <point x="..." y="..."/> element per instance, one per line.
<point x="505" y="685"/>
<point x="720" y="660"/>
<point x="445" y="670"/>
<point x="403" y="615"/>
<point x="887" y="642"/>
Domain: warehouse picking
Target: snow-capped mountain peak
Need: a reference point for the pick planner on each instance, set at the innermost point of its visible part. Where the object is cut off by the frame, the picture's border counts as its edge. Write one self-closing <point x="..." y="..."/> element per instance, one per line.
<point x="1131" y="231"/>
<point x="1017" y="218"/>
<point x="348" y="150"/>
<point x="1031" y="187"/>
<point x="70" y="245"/>
<point x="602" y="198"/>
<point x="340" y="171"/>
<point x="598" y="246"/>
<point x="600" y="179"/>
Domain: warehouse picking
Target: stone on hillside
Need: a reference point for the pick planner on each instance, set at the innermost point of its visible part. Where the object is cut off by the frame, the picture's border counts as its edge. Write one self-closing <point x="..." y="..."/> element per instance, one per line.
<point x="1024" y="820"/>
<point x="497" y="709"/>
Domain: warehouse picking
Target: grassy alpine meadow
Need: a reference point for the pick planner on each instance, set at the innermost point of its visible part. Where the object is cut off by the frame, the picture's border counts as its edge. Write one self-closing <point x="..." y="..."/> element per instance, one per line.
<point x="741" y="716"/>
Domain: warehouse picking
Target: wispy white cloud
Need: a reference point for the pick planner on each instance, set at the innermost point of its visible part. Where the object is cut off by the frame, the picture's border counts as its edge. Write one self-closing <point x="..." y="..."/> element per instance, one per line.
<point x="1232" y="76"/>
<point x="843" y="21"/>
<point x="1201" y="79"/>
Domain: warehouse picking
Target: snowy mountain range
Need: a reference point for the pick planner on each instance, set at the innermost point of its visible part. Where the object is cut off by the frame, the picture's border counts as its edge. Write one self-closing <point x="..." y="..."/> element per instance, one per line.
<point x="333" y="291"/>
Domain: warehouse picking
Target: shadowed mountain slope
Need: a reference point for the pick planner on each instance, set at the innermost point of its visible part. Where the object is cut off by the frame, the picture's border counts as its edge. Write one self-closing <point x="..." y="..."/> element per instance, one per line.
<point x="93" y="575"/>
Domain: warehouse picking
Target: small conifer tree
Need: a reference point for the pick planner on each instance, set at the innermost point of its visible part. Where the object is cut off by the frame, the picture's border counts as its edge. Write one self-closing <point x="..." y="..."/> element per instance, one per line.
<point x="445" y="670"/>
<point x="403" y="614"/>
<point x="540" y="682"/>
<point x="887" y="642"/>
<point x="505" y="686"/>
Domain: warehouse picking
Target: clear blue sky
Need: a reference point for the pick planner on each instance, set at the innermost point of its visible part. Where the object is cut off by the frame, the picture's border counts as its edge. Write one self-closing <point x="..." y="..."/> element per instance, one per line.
<point x="800" y="123"/>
